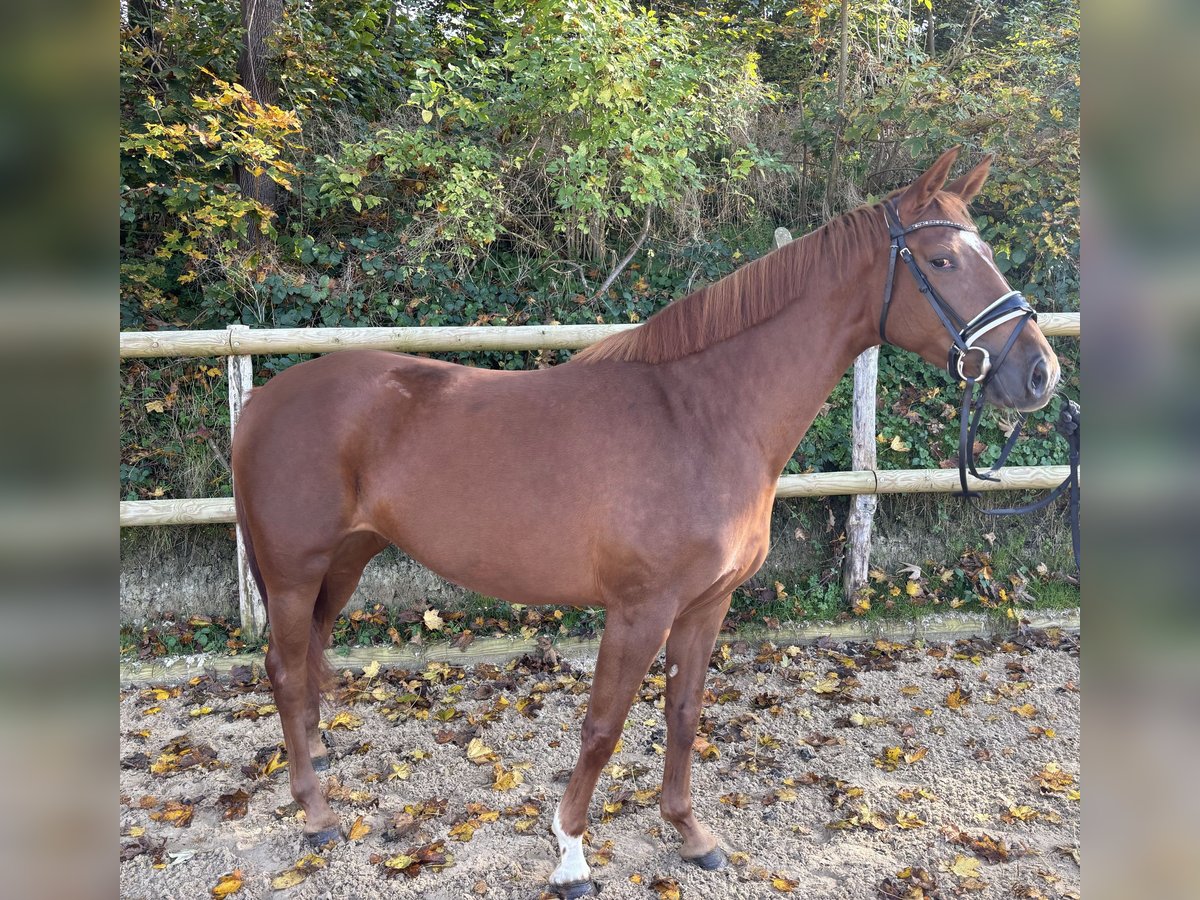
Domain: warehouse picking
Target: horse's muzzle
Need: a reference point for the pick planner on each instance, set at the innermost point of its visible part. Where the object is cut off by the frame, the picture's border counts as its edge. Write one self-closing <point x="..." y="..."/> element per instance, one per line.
<point x="1025" y="383"/>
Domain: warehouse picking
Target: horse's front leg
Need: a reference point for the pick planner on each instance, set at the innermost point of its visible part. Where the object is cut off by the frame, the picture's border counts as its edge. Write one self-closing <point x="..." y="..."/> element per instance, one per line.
<point x="628" y="647"/>
<point x="689" y="649"/>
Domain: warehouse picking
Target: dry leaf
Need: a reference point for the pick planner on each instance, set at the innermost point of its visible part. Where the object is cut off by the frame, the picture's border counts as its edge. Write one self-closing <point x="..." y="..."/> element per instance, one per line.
<point x="228" y="884"/>
<point x="345" y="721"/>
<point x="958" y="698"/>
<point x="359" y="830"/>
<point x="480" y="754"/>
<point x="304" y="867"/>
<point x="965" y="867"/>
<point x="433" y="621"/>
<point x="505" y="780"/>
<point x="666" y="888"/>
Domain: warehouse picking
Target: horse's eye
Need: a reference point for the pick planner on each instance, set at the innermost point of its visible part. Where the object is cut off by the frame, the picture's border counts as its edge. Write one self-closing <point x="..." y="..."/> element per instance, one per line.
<point x="941" y="263"/>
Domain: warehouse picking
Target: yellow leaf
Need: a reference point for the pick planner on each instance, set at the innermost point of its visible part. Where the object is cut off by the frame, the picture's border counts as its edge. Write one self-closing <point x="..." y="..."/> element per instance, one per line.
<point x="228" y="884"/>
<point x="479" y="753"/>
<point x="400" y="861"/>
<point x="784" y="885"/>
<point x="965" y="867"/>
<point x="200" y="711"/>
<point x="155" y="406"/>
<point x="1025" y="710"/>
<point x="275" y="763"/>
<point x="399" y="772"/>
<point x="956" y="699"/>
<point x="345" y="721"/>
<point x="505" y="780"/>
<point x="826" y="686"/>
<point x="359" y="829"/>
<point x="912" y="589"/>
<point x="899" y="446"/>
<point x="463" y="831"/>
<point x="297" y="873"/>
<point x="371" y="669"/>
<point x="433" y="621"/>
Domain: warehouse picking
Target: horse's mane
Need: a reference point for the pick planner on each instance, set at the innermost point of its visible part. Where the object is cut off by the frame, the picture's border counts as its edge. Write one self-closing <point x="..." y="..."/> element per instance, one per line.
<point x="752" y="294"/>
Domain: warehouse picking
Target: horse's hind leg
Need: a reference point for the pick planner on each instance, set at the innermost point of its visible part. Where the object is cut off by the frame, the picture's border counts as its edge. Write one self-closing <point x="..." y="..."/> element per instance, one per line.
<point x="689" y="649"/>
<point x="629" y="645"/>
<point x="336" y="589"/>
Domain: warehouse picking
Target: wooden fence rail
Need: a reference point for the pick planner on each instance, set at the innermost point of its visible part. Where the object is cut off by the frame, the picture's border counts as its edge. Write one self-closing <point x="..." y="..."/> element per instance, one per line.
<point x="818" y="484"/>
<point x="240" y="343"/>
<point x="259" y="341"/>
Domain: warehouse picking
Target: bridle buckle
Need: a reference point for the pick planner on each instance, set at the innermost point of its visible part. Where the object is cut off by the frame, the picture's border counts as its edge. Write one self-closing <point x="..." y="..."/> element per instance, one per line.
<point x="985" y="364"/>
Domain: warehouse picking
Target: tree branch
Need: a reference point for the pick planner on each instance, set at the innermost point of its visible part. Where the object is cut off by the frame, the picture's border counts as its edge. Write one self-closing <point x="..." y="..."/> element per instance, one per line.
<point x="637" y="245"/>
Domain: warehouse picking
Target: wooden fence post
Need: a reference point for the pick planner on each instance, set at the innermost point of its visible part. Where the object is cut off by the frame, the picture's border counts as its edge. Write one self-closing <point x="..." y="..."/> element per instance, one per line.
<point x="241" y="378"/>
<point x="862" y="456"/>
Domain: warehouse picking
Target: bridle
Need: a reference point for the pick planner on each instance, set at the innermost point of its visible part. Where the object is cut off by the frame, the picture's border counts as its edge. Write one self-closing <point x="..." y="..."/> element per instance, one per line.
<point x="964" y="336"/>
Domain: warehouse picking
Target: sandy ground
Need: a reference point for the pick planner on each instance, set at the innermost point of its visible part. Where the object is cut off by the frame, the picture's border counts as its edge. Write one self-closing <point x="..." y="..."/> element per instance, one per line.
<point x="945" y="771"/>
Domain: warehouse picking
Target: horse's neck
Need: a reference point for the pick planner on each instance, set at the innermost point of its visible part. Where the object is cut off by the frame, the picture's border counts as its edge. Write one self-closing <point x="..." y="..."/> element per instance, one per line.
<point x="771" y="380"/>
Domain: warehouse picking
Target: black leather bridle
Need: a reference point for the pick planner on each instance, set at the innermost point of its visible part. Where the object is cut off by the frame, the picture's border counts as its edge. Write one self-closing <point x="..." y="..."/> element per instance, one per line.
<point x="964" y="335"/>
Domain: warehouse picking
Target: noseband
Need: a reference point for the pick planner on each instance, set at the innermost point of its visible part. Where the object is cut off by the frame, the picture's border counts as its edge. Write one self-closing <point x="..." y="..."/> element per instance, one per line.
<point x="963" y="337"/>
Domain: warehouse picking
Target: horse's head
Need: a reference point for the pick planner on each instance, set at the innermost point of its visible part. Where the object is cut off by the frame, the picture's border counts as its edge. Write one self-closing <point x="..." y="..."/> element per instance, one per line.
<point x="981" y="311"/>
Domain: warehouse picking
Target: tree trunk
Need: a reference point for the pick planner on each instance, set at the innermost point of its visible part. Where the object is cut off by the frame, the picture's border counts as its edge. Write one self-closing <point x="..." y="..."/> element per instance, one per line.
<point x="260" y="18"/>
<point x="835" y="160"/>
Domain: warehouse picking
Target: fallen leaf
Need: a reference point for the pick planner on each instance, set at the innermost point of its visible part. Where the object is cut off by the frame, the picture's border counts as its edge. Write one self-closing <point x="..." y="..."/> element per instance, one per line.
<point x="304" y="867"/>
<point x="479" y="753"/>
<point x="505" y="779"/>
<point x="345" y="721"/>
<point x="359" y="830"/>
<point x="228" y="884"/>
<point x="958" y="698"/>
<point x="433" y="621"/>
<point x="965" y="867"/>
<point x="666" y="888"/>
<point x="1053" y="780"/>
<point x="233" y="805"/>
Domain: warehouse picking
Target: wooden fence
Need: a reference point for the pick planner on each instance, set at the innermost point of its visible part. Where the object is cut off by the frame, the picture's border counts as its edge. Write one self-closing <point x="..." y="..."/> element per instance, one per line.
<point x="240" y="344"/>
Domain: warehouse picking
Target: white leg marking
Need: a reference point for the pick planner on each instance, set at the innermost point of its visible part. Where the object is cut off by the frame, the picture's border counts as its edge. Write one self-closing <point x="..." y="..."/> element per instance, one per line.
<point x="674" y="671"/>
<point x="572" y="867"/>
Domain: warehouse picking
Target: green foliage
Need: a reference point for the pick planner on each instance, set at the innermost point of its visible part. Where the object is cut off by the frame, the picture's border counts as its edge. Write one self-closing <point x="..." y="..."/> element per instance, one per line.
<point x="586" y="119"/>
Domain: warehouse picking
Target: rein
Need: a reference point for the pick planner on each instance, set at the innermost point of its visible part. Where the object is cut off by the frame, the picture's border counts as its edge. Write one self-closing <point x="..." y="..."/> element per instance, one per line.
<point x="963" y="335"/>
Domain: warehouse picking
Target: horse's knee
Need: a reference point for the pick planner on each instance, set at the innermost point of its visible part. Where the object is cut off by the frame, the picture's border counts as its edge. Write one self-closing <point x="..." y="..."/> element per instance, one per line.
<point x="599" y="738"/>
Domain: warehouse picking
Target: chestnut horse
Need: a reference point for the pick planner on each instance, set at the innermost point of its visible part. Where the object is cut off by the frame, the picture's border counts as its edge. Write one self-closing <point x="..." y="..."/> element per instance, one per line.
<point x="639" y="476"/>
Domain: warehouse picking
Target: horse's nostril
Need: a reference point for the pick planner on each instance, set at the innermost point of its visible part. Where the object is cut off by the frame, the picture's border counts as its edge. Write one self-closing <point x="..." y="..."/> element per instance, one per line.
<point x="1038" y="378"/>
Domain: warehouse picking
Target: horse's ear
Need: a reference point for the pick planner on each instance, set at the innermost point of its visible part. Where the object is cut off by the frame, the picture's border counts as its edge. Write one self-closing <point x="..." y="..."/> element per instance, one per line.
<point x="968" y="186"/>
<point x="918" y="195"/>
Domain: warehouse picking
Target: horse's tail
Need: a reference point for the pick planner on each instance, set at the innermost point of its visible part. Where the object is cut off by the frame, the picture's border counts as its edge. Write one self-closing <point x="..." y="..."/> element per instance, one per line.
<point x="248" y="544"/>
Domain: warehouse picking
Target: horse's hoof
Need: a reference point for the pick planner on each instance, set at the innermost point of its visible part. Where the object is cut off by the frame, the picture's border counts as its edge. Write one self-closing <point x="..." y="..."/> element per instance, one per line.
<point x="711" y="861"/>
<point x="320" y="763"/>
<point x="325" y="837"/>
<point x="575" y="889"/>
